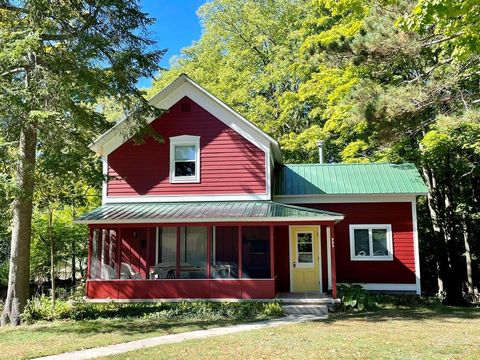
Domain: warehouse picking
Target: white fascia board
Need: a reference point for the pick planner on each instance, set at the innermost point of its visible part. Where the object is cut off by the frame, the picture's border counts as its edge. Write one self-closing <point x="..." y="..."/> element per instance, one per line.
<point x="366" y="198"/>
<point x="184" y="198"/>
<point x="208" y="220"/>
<point x="384" y="286"/>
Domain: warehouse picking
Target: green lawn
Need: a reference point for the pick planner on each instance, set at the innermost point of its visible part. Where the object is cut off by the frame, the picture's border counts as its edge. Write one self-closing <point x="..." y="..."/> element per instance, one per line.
<point x="426" y="333"/>
<point x="47" y="338"/>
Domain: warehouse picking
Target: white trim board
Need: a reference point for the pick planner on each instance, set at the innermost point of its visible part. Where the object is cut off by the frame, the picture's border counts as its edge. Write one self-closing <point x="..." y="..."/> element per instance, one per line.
<point x="416" y="250"/>
<point x="183" y="198"/>
<point x="329" y="256"/>
<point x="384" y="286"/>
<point x="359" y="198"/>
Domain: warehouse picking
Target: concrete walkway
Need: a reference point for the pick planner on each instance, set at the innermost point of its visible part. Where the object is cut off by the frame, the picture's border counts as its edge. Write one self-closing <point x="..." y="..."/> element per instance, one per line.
<point x="177" y="338"/>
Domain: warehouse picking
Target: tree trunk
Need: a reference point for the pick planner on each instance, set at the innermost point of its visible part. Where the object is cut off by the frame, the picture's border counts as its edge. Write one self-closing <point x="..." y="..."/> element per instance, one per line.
<point x="468" y="255"/>
<point x="440" y="206"/>
<point x="74" y="265"/>
<point x="19" y="271"/>
<point x="52" y="257"/>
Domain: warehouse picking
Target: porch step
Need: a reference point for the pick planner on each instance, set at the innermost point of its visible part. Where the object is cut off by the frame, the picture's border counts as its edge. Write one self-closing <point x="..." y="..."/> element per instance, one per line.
<point x="305" y="299"/>
<point x="302" y="310"/>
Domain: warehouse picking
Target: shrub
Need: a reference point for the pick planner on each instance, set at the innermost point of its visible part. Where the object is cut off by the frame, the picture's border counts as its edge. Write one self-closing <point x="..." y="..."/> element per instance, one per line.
<point x="356" y="297"/>
<point x="40" y="308"/>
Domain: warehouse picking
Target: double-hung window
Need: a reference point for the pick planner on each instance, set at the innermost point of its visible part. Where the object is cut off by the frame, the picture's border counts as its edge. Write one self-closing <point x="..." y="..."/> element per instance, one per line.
<point x="185" y="159"/>
<point x="371" y="242"/>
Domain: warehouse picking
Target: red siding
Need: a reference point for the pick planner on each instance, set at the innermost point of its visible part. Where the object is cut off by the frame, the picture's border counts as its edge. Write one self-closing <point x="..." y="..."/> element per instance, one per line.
<point x="399" y="215"/>
<point x="230" y="164"/>
<point x="190" y="289"/>
<point x="282" y="258"/>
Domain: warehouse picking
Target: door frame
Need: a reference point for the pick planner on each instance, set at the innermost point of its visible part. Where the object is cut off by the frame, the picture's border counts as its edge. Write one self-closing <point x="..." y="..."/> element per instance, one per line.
<point x="319" y="258"/>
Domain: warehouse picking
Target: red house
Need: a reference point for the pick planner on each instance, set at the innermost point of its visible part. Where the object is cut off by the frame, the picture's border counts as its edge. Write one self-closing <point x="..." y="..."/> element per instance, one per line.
<point x="214" y="213"/>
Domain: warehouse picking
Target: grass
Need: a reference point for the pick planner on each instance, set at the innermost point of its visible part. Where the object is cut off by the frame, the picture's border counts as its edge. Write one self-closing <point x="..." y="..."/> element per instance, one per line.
<point x="436" y="332"/>
<point x="48" y="338"/>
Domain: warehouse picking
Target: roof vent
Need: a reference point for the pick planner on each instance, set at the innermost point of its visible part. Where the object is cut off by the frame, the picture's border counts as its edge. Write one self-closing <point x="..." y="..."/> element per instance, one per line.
<point x="320" y="144"/>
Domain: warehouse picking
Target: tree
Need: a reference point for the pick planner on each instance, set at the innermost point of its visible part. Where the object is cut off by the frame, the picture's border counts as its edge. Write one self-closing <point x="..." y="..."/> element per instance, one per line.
<point x="56" y="59"/>
<point x="386" y="80"/>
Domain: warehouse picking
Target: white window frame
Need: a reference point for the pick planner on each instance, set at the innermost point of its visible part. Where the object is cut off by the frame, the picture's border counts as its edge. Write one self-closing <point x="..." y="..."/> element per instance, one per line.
<point x="371" y="227"/>
<point x="305" y="265"/>
<point x="185" y="140"/>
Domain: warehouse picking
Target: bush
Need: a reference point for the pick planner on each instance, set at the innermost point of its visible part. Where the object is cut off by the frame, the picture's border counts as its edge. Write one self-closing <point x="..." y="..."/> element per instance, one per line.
<point x="40" y="308"/>
<point x="356" y="297"/>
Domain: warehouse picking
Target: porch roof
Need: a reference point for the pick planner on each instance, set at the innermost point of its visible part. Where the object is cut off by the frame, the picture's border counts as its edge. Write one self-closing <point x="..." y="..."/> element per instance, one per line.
<point x="190" y="212"/>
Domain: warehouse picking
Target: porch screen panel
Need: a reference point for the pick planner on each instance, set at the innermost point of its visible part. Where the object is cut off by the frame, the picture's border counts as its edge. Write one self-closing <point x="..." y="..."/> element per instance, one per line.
<point x="193" y="252"/>
<point x="166" y="257"/>
<point x="95" y="255"/>
<point x="224" y="257"/>
<point x="108" y="260"/>
<point x="256" y="252"/>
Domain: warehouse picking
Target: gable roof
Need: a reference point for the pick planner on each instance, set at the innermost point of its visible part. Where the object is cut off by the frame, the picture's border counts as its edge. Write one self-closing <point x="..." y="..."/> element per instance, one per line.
<point x="175" y="91"/>
<point x="190" y="212"/>
<point x="348" y="179"/>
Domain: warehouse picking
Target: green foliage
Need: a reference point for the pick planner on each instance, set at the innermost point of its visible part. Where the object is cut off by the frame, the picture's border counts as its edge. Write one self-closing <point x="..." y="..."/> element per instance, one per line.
<point x="356" y="297"/>
<point x="40" y="308"/>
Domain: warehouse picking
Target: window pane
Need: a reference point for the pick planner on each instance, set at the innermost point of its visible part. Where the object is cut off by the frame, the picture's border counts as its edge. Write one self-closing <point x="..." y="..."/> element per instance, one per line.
<point x="109" y="255"/>
<point x="185" y="168"/>
<point x="305" y="258"/>
<point x="185" y="152"/>
<point x="361" y="242"/>
<point x="225" y="253"/>
<point x="256" y="252"/>
<point x="95" y="257"/>
<point x="193" y="252"/>
<point x="379" y="242"/>
<point x="305" y="247"/>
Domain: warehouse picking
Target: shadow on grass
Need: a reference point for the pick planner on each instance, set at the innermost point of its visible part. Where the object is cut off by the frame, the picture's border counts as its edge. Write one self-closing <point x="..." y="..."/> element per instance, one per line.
<point x="415" y="313"/>
<point x="131" y="327"/>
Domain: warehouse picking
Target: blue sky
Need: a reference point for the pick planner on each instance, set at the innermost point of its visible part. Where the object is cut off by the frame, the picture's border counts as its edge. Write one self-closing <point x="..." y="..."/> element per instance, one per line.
<point x="176" y="26"/>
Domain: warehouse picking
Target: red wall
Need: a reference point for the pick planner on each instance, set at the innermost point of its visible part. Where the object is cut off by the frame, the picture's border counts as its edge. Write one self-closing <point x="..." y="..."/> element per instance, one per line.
<point x="168" y="289"/>
<point x="282" y="258"/>
<point x="399" y="215"/>
<point x="230" y="164"/>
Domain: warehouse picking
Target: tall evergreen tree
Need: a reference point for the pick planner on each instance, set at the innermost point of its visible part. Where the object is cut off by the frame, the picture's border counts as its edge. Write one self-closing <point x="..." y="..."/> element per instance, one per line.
<point x="57" y="58"/>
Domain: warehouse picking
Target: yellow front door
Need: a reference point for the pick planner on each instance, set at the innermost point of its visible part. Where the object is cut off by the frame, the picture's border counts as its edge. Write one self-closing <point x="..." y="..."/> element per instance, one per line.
<point x="304" y="258"/>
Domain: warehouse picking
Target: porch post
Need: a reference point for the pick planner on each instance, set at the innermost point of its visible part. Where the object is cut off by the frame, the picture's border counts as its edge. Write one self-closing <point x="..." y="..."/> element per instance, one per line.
<point x="334" y="269"/>
<point x="119" y="252"/>
<point x="89" y="259"/>
<point x="209" y="251"/>
<point x="240" y="275"/>
<point x="272" y="253"/>
<point x="177" y="270"/>
<point x="147" y="260"/>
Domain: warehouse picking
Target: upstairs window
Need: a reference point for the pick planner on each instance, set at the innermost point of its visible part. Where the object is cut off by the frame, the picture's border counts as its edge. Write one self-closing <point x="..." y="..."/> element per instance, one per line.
<point x="371" y="242"/>
<point x="185" y="159"/>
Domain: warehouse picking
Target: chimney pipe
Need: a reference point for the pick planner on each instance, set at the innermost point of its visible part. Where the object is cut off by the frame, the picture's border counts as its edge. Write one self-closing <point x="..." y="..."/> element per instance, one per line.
<point x="320" y="144"/>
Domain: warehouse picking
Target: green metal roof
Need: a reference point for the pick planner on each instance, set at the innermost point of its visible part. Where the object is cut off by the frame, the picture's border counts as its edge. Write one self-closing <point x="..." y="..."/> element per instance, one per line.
<point x="178" y="212"/>
<point x="349" y="179"/>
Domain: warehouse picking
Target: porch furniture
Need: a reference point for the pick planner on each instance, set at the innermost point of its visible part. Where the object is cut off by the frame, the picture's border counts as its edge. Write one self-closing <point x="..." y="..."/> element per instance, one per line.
<point x="126" y="272"/>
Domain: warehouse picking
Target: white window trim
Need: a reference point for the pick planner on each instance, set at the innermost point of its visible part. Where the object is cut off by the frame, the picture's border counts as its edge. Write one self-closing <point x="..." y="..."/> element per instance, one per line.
<point x="184" y="140"/>
<point x="387" y="227"/>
